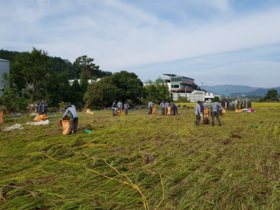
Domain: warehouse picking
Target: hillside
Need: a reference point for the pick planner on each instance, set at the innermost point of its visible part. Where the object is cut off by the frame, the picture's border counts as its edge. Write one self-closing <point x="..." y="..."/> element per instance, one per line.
<point x="223" y="89"/>
<point x="143" y="161"/>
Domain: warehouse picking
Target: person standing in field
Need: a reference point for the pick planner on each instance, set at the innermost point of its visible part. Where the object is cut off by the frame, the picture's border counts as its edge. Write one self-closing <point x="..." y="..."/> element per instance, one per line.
<point x="172" y="108"/>
<point x="166" y="106"/>
<point x="46" y="105"/>
<point x="119" y="105"/>
<point x="72" y="112"/>
<point x="197" y="113"/>
<point x="150" y="107"/>
<point x="220" y="108"/>
<point x="214" y="113"/>
<point x="126" y="106"/>
<point x="162" y="105"/>
<point x="40" y="107"/>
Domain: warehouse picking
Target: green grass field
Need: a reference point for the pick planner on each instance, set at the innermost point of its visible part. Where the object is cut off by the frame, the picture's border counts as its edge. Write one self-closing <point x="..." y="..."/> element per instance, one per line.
<point x="143" y="161"/>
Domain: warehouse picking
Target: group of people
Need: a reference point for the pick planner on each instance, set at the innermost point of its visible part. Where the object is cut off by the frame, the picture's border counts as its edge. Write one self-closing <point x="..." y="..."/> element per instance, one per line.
<point x="216" y="110"/>
<point x="42" y="107"/>
<point x="237" y="104"/>
<point x="164" y="107"/>
<point x="119" y="106"/>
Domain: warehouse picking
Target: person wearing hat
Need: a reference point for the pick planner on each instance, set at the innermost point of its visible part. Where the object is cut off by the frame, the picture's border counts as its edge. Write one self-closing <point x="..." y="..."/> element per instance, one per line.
<point x="162" y="105"/>
<point x="197" y="112"/>
<point x="72" y="112"/>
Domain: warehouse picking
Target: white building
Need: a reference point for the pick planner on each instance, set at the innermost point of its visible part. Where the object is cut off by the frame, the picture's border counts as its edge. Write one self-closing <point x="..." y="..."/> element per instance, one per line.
<point x="4" y="68"/>
<point x="195" y="96"/>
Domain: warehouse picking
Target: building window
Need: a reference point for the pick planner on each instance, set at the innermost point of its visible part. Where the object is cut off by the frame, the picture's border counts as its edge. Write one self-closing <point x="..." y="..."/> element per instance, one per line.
<point x="174" y="86"/>
<point x="175" y="79"/>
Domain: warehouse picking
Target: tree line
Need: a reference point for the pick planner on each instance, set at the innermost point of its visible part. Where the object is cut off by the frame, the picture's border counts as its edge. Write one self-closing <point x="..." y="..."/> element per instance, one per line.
<point x="36" y="76"/>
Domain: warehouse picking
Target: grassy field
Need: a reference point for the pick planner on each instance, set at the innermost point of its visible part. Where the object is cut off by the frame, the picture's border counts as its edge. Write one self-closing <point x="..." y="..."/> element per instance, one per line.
<point x="143" y="161"/>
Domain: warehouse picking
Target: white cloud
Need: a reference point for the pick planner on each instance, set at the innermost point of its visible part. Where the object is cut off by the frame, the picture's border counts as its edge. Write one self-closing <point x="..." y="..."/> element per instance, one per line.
<point x="120" y="35"/>
<point x="200" y="60"/>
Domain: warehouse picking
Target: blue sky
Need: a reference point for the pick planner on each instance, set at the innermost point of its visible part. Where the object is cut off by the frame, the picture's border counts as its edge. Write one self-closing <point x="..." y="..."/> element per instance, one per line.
<point x="213" y="41"/>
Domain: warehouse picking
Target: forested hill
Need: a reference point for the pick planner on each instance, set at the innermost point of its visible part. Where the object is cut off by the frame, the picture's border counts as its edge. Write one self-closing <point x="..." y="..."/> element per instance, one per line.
<point x="58" y="64"/>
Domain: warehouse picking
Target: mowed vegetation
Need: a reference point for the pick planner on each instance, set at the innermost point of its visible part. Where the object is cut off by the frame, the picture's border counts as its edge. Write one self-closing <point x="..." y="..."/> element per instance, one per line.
<point x="143" y="161"/>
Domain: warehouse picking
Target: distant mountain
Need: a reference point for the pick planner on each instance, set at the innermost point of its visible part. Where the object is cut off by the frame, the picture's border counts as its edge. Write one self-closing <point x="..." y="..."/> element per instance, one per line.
<point x="262" y="91"/>
<point x="238" y="90"/>
<point x="225" y="89"/>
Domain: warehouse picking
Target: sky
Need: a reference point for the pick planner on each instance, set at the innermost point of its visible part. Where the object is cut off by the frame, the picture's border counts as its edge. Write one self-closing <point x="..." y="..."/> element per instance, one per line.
<point x="213" y="41"/>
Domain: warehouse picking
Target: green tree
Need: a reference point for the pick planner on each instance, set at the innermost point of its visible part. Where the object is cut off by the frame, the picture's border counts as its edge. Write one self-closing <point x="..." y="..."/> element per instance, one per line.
<point x="272" y="95"/>
<point x="100" y="94"/>
<point x="32" y="70"/>
<point x="129" y="86"/>
<point x="216" y="99"/>
<point x="10" y="98"/>
<point x="86" y="65"/>
<point x="157" y="90"/>
<point x="76" y="94"/>
<point x="84" y="82"/>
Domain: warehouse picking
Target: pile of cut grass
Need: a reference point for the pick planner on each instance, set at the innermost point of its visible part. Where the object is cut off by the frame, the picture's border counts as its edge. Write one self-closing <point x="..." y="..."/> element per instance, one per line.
<point x="172" y="162"/>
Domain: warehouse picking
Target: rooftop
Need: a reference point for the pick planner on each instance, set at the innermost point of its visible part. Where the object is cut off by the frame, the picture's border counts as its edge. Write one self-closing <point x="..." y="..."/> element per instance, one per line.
<point x="4" y="60"/>
<point x="174" y="75"/>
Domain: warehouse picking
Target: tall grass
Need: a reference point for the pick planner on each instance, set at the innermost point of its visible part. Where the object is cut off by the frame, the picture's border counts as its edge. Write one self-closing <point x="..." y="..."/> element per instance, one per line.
<point x="175" y="164"/>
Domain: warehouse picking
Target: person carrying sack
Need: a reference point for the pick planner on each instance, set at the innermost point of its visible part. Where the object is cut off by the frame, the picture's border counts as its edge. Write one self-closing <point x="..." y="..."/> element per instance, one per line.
<point x="72" y="112"/>
<point x="214" y="113"/>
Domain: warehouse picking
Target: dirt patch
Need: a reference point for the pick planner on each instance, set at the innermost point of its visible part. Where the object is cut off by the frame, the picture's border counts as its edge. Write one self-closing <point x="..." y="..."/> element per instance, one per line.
<point x="276" y="156"/>
<point x="234" y="136"/>
<point x="227" y="142"/>
<point x="81" y="128"/>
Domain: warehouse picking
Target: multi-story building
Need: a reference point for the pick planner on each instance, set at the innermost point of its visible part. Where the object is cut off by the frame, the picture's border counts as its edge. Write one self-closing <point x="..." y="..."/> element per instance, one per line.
<point x="4" y="68"/>
<point x="179" y="84"/>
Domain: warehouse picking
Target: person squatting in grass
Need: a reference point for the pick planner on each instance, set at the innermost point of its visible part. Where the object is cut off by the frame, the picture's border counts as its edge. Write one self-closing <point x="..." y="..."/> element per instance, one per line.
<point x="162" y="105"/>
<point x="197" y="113"/>
<point x="150" y="107"/>
<point x="215" y="112"/>
<point x="72" y="112"/>
<point x="126" y="106"/>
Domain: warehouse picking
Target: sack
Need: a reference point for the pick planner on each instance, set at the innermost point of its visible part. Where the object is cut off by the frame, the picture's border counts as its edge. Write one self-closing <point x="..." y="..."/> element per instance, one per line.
<point x="168" y="110"/>
<point x="41" y="117"/>
<point x="65" y="126"/>
<point x="154" y="111"/>
<point x="118" y="113"/>
<point x="1" y="117"/>
<point x="223" y="111"/>
<point x="89" y="112"/>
